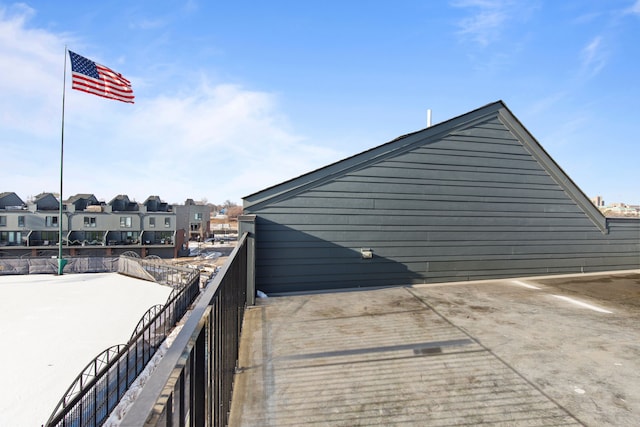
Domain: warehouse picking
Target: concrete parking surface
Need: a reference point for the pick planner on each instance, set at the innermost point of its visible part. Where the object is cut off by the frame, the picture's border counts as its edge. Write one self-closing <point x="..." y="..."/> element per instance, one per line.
<point x="561" y="351"/>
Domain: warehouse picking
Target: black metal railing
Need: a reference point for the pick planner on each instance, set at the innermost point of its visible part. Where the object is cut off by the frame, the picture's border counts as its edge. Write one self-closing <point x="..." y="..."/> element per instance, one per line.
<point x="155" y="269"/>
<point x="102" y="383"/>
<point x="171" y="275"/>
<point x="192" y="385"/>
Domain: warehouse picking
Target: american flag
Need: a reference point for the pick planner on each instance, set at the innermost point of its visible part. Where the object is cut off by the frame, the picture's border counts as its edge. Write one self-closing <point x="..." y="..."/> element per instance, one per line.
<point x="97" y="79"/>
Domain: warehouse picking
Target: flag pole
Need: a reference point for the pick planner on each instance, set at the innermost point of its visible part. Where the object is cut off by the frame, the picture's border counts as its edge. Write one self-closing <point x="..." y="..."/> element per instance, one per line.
<point x="62" y="262"/>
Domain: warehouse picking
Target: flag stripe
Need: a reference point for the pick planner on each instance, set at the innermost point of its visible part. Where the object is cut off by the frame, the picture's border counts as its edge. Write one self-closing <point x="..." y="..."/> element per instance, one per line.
<point x="96" y="79"/>
<point x="112" y="75"/>
<point x="102" y="93"/>
<point x="81" y="82"/>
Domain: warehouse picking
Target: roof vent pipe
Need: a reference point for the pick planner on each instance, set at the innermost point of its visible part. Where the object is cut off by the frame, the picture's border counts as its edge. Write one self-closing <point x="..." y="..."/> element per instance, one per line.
<point x="429" y="118"/>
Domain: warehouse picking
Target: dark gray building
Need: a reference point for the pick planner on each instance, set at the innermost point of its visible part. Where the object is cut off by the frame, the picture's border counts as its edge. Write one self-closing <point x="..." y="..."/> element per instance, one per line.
<point x="44" y="202"/>
<point x="195" y="219"/>
<point x="10" y="200"/>
<point x="474" y="197"/>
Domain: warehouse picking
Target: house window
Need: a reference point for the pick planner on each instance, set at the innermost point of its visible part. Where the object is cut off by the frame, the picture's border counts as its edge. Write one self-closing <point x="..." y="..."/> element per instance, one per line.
<point x="51" y="221"/>
<point x="90" y="221"/>
<point x="125" y="221"/>
<point x="3" y="221"/>
<point x="10" y="237"/>
<point x="131" y="237"/>
<point x="198" y="216"/>
<point x="166" y="237"/>
<point x="152" y="222"/>
<point x="167" y="222"/>
<point x="93" y="237"/>
<point x="49" y="237"/>
<point x="21" y="221"/>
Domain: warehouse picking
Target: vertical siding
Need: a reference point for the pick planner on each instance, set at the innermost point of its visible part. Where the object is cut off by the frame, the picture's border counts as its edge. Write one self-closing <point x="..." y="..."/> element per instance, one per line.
<point x="473" y="204"/>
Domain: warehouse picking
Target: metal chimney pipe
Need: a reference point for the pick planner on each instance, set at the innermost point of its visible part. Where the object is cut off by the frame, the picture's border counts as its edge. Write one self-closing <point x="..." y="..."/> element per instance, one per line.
<point x="429" y="117"/>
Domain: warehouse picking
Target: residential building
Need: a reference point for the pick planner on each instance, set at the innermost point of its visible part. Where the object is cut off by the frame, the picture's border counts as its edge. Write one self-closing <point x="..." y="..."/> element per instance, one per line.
<point x="13" y="220"/>
<point x="474" y="197"/>
<point x="195" y="219"/>
<point x="89" y="226"/>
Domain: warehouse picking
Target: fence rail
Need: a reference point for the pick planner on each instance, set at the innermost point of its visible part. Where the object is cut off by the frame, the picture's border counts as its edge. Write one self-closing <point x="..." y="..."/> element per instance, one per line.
<point x="157" y="270"/>
<point x="49" y="265"/>
<point x="192" y="385"/>
<point x="102" y="383"/>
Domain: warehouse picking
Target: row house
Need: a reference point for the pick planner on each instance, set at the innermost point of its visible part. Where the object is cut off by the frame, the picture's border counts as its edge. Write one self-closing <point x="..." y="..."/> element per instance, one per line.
<point x="89" y="226"/>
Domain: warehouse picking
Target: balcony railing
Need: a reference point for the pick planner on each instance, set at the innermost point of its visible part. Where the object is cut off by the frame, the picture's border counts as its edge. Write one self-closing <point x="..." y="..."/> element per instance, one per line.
<point x="192" y="384"/>
<point x="103" y="382"/>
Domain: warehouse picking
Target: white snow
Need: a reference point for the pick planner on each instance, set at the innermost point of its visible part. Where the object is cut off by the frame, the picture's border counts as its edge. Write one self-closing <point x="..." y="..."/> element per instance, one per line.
<point x="52" y="326"/>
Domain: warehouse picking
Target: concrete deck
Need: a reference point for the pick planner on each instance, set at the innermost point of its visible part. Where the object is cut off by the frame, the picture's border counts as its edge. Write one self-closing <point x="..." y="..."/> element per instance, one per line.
<point x="555" y="351"/>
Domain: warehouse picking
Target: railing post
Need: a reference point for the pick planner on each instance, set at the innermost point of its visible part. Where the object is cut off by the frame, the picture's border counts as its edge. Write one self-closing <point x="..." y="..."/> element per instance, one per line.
<point x="247" y="224"/>
<point x="198" y="379"/>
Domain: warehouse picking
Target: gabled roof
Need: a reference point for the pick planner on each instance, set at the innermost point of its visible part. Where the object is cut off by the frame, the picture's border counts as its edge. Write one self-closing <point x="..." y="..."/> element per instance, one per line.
<point x="426" y="136"/>
<point x="120" y="197"/>
<point x="10" y="199"/>
<point x="77" y="197"/>
<point x="46" y="201"/>
<point x="122" y="203"/>
<point x="152" y="199"/>
<point x="82" y="201"/>
<point x="44" y="196"/>
<point x="155" y="204"/>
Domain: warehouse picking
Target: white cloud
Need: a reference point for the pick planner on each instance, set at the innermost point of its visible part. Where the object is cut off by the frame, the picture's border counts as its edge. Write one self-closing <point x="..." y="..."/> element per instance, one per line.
<point x="220" y="142"/>
<point x="546" y="102"/>
<point x="635" y="8"/>
<point x="212" y="140"/>
<point x="484" y="26"/>
<point x="32" y="70"/>
<point x="147" y="24"/>
<point x="593" y="57"/>
<point x="216" y="142"/>
<point x="488" y="20"/>
<point x="191" y="6"/>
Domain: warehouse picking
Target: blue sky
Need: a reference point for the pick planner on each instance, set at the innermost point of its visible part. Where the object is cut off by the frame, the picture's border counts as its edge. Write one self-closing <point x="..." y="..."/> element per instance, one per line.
<point x="233" y="97"/>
